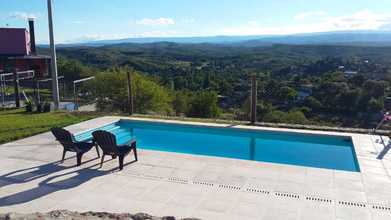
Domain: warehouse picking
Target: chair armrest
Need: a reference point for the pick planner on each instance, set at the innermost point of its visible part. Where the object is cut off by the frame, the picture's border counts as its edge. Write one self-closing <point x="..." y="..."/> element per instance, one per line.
<point x="89" y="139"/>
<point x="130" y="142"/>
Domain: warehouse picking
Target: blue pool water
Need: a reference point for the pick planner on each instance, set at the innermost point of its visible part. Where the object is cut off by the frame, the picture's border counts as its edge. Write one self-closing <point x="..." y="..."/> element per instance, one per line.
<point x="278" y="147"/>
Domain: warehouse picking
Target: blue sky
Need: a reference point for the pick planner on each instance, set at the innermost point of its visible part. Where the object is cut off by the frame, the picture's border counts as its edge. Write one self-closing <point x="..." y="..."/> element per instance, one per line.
<point x="83" y="20"/>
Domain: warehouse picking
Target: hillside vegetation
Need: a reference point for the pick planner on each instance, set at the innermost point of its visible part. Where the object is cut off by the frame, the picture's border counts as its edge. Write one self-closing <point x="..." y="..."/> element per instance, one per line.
<point x="308" y="84"/>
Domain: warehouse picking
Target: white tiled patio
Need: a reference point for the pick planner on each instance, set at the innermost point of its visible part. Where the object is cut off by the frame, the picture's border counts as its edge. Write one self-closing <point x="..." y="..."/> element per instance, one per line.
<point x="162" y="183"/>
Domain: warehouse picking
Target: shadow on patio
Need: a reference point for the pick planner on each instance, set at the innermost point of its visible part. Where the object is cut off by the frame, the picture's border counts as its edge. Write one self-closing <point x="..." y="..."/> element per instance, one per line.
<point x="387" y="147"/>
<point x="52" y="183"/>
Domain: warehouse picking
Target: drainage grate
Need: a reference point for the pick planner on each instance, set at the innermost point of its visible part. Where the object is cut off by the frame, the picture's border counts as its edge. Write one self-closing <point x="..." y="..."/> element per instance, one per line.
<point x="287" y="195"/>
<point x="178" y="180"/>
<point x="318" y="199"/>
<point x="254" y="190"/>
<point x="381" y="207"/>
<point x="353" y="204"/>
<point x="203" y="183"/>
<point x="153" y="177"/>
<point x="229" y="187"/>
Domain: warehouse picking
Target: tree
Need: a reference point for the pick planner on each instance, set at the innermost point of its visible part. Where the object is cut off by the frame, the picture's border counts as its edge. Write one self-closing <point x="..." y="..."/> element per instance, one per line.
<point x="348" y="101"/>
<point x="375" y="105"/>
<point x="180" y="102"/>
<point x="287" y="95"/>
<point x="204" y="105"/>
<point x="312" y="103"/>
<point x="374" y="88"/>
<point x="110" y="89"/>
<point x="357" y="80"/>
<point x="72" y="69"/>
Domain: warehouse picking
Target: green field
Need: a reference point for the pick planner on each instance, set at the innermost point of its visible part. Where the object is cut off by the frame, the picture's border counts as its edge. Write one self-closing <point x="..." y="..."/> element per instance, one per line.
<point x="16" y="124"/>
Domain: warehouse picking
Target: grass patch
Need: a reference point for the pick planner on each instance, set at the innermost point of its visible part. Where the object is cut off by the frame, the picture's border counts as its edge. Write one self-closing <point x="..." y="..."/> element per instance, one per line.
<point x="16" y="123"/>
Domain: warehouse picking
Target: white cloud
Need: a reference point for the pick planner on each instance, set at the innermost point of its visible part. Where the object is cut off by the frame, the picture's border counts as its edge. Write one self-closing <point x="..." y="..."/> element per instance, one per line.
<point x="156" y="21"/>
<point x="98" y="37"/>
<point x="156" y="34"/>
<point x="94" y="37"/>
<point x="309" y="14"/>
<point x="22" y="15"/>
<point x="361" y="20"/>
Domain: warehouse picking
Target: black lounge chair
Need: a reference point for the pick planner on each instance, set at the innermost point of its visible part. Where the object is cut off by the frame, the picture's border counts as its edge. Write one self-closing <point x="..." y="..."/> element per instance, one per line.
<point x="67" y="140"/>
<point x="108" y="144"/>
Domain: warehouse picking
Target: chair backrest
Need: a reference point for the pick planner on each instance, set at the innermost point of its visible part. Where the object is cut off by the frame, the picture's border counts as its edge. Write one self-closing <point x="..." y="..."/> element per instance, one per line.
<point x="106" y="141"/>
<point x="64" y="137"/>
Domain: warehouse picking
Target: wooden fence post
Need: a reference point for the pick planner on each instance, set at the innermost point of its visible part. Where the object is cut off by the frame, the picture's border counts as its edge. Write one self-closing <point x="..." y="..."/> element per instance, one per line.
<point x="16" y="89"/>
<point x="253" y="110"/>
<point x="130" y="94"/>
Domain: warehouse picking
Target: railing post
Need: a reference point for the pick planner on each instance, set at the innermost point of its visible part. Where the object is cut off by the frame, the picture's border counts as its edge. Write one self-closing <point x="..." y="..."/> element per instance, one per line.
<point x="16" y="89"/>
<point x="253" y="108"/>
<point x="130" y="94"/>
<point x="75" y="96"/>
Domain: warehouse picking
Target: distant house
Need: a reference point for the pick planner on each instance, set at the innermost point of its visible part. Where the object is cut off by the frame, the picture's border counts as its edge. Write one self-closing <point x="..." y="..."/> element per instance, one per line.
<point x="350" y="73"/>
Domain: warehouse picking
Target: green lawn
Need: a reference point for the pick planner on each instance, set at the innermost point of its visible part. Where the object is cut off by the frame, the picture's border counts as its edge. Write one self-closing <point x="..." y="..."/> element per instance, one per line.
<point x="16" y="124"/>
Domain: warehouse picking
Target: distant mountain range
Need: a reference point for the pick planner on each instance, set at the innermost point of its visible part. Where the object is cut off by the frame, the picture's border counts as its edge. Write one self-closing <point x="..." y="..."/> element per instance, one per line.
<point x="364" y="38"/>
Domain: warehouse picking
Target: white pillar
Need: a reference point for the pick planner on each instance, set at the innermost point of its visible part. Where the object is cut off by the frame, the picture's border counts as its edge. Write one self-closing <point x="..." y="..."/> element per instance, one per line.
<point x="55" y="93"/>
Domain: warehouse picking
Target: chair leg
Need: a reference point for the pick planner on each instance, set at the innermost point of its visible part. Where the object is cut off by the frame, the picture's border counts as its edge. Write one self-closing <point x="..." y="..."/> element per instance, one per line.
<point x="79" y="156"/>
<point x="101" y="161"/>
<point x="97" y="150"/>
<point x="135" y="153"/>
<point x="63" y="156"/>
<point x="121" y="162"/>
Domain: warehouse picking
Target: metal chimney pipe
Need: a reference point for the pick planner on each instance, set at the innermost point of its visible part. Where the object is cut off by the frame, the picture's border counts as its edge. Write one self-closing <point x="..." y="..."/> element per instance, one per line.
<point x="32" y="37"/>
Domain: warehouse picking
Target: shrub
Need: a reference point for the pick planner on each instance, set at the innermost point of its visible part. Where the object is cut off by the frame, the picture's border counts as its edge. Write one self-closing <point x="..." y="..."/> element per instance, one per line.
<point x="292" y="117"/>
<point x="46" y="107"/>
<point x="204" y="105"/>
<point x="29" y="106"/>
<point x="295" y="117"/>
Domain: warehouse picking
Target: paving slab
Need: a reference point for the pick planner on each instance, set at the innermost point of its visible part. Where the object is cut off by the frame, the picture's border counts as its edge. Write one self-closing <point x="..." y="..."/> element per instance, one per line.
<point x="162" y="183"/>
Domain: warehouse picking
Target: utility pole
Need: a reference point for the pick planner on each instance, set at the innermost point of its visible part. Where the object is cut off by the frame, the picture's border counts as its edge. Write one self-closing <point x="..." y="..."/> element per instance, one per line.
<point x="253" y="108"/>
<point x="130" y="94"/>
<point x="16" y="88"/>
<point x="55" y="93"/>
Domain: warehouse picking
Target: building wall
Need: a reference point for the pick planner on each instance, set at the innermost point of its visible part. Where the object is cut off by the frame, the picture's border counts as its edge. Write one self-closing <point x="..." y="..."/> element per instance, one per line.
<point x="14" y="41"/>
<point x="40" y="66"/>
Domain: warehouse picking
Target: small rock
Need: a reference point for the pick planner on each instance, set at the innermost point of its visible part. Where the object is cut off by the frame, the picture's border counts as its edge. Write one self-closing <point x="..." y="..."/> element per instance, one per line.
<point x="142" y="216"/>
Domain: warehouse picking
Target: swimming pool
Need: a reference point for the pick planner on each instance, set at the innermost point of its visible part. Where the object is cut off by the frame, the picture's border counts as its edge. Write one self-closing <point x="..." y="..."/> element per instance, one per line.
<point x="321" y="151"/>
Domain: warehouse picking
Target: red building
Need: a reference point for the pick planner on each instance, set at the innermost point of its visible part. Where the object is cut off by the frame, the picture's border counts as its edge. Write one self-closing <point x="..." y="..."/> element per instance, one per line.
<point x="18" y="51"/>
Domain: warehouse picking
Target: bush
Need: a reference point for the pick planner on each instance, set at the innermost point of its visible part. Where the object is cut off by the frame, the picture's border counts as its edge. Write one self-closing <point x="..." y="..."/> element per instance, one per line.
<point x="180" y="102"/>
<point x="46" y="107"/>
<point x="295" y="117"/>
<point x="312" y="103"/>
<point x="292" y="117"/>
<point x="274" y="116"/>
<point x="29" y="106"/>
<point x="204" y="105"/>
